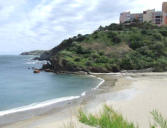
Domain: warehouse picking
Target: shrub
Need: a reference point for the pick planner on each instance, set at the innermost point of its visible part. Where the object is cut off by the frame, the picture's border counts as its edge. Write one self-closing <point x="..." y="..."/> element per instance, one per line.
<point x="114" y="37"/>
<point x="77" y="59"/>
<point x="115" y="68"/>
<point x="136" y="44"/>
<point x="102" y="59"/>
<point x="160" y="65"/>
<point x="80" y="38"/>
<point x="157" y="36"/>
<point x="89" y="63"/>
<point x="163" y="32"/>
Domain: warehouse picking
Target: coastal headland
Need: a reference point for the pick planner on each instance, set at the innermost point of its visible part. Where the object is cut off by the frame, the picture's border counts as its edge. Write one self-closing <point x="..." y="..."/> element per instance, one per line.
<point x="113" y="48"/>
<point x="134" y="95"/>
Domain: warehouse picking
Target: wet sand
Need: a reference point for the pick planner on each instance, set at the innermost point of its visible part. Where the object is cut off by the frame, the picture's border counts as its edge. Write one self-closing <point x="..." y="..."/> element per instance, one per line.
<point x="134" y="95"/>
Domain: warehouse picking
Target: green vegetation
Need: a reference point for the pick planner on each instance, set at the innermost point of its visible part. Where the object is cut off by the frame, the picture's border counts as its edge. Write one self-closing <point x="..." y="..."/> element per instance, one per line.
<point x="160" y="122"/>
<point x="113" y="48"/>
<point x="107" y="119"/>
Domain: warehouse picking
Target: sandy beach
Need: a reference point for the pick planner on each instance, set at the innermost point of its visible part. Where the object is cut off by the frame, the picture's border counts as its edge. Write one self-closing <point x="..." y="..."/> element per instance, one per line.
<point x="134" y="95"/>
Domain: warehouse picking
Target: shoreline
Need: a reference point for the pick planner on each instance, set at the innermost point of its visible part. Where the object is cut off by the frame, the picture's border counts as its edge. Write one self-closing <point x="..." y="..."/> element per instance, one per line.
<point x="53" y="104"/>
<point x="131" y="96"/>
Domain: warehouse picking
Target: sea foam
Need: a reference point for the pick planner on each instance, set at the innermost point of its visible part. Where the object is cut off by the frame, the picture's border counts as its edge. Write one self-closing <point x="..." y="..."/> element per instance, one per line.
<point x="38" y="105"/>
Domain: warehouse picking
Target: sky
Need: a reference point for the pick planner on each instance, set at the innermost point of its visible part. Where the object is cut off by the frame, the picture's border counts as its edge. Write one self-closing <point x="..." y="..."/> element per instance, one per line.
<point x="42" y="24"/>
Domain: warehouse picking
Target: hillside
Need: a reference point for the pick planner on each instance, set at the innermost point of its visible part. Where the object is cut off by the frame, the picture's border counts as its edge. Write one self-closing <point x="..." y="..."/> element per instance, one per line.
<point x="111" y="49"/>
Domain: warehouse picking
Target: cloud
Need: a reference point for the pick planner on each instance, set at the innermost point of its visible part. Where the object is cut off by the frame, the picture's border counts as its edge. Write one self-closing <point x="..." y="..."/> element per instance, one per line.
<point x="42" y="24"/>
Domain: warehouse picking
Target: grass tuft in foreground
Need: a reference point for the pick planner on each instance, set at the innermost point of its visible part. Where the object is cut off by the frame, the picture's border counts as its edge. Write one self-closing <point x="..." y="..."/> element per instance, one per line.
<point x="106" y="119"/>
<point x="159" y="120"/>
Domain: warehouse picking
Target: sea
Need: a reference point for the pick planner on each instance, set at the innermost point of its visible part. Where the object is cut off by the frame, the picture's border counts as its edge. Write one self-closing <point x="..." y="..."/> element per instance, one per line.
<point x="21" y="89"/>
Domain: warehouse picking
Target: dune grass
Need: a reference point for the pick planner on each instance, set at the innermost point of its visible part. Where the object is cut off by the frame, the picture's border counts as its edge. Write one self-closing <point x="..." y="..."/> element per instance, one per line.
<point x="160" y="122"/>
<point x="108" y="118"/>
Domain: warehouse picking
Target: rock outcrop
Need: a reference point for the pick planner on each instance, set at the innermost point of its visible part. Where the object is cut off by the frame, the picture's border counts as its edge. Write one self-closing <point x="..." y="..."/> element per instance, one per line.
<point x="36" y="71"/>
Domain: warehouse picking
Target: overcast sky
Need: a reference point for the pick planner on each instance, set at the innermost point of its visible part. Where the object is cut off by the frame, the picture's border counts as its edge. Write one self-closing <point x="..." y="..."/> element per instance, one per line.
<point x="42" y="24"/>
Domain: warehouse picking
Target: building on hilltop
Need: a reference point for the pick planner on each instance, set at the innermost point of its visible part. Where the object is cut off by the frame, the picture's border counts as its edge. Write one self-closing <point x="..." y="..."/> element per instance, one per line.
<point x="164" y="13"/>
<point x="148" y="15"/>
<point x="152" y="16"/>
<point x="136" y="17"/>
<point x="124" y="17"/>
<point x="158" y="18"/>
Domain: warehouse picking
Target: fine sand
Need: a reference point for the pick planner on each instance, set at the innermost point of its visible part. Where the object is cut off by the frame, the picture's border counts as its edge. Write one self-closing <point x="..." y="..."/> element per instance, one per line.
<point x="134" y="95"/>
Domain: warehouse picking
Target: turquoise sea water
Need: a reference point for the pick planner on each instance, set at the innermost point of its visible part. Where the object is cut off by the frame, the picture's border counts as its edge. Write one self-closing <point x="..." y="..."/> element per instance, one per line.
<point x="19" y="86"/>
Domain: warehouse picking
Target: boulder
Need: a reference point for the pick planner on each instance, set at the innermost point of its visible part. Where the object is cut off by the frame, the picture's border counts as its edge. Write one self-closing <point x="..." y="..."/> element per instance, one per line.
<point x="36" y="71"/>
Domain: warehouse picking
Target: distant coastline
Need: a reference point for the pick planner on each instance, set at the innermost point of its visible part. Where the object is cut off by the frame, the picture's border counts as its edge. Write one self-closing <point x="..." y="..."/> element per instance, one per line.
<point x="34" y="52"/>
